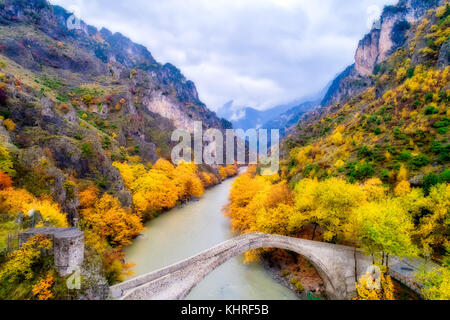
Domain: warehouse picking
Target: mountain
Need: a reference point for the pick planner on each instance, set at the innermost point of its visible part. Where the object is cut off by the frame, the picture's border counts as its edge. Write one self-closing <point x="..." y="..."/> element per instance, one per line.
<point x="31" y="36"/>
<point x="77" y="99"/>
<point x="389" y="34"/>
<point x="286" y="120"/>
<point x="392" y="122"/>
<point x="250" y="118"/>
<point x="278" y="117"/>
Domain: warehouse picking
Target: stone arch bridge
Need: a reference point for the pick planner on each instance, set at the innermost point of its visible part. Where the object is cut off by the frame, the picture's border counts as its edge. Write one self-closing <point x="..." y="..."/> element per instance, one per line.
<point x="334" y="263"/>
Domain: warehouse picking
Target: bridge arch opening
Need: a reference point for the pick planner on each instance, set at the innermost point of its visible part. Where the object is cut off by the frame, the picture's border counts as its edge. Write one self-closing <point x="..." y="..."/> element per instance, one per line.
<point x="296" y="277"/>
<point x="315" y="263"/>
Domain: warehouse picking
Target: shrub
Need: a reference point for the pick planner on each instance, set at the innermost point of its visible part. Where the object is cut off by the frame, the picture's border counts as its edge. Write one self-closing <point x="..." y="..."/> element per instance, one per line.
<point x="404" y="156"/>
<point x="86" y="149"/>
<point x="360" y="172"/>
<point x="106" y="143"/>
<point x="9" y="124"/>
<point x="365" y="152"/>
<point x="429" y="181"/>
<point x="3" y="97"/>
<point x="443" y="152"/>
<point x="445" y="176"/>
<point x="428" y="97"/>
<point x="5" y="181"/>
<point x="419" y="162"/>
<point x="64" y="108"/>
<point x="442" y="124"/>
<point x="417" y="103"/>
<point x="365" y="171"/>
<point x="398" y="134"/>
<point x="430" y="110"/>
<point x="299" y="286"/>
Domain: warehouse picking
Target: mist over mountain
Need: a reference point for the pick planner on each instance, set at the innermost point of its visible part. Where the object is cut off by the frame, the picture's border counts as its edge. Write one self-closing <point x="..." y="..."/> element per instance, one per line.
<point x="278" y="117"/>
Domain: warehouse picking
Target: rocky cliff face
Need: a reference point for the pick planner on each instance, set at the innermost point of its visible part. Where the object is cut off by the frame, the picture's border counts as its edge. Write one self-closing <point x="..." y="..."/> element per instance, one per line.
<point x="386" y="36"/>
<point x="390" y="33"/>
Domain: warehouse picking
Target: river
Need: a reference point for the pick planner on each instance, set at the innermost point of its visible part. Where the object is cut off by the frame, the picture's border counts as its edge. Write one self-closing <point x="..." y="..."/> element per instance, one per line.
<point x="197" y="226"/>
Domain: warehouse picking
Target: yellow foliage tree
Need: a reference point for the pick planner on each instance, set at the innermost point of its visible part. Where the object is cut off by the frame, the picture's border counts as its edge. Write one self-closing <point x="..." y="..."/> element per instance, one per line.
<point x="13" y="201"/>
<point x="385" y="227"/>
<point x="153" y="193"/>
<point x="9" y="124"/>
<point x="436" y="283"/>
<point x="402" y="188"/>
<point x="6" y="164"/>
<point x="374" y="189"/>
<point x="165" y="166"/>
<point x="19" y="264"/>
<point x="328" y="204"/>
<point x="187" y="181"/>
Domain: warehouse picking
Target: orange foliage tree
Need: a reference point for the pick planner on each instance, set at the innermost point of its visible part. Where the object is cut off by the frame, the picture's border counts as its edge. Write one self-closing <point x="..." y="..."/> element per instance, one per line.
<point x="107" y="220"/>
<point x="42" y="290"/>
<point x="5" y="181"/>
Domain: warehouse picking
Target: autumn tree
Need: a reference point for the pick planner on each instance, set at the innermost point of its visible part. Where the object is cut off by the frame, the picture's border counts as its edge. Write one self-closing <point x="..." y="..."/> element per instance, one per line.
<point x="5" y="181"/>
<point x="6" y="164"/>
<point x="154" y="192"/>
<point x="42" y="290"/>
<point x="328" y="204"/>
<point x="435" y="283"/>
<point x="19" y="265"/>
<point x="13" y="201"/>
<point x="385" y="227"/>
<point x="187" y="181"/>
<point x="108" y="220"/>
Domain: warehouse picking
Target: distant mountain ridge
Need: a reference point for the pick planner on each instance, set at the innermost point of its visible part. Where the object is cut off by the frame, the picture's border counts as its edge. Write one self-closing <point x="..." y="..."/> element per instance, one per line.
<point x="279" y="117"/>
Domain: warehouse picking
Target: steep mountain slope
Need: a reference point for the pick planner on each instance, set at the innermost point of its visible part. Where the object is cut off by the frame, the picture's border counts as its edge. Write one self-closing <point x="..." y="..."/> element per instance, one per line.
<point x="387" y="35"/>
<point x="72" y="101"/>
<point x="370" y="171"/>
<point x="398" y="127"/>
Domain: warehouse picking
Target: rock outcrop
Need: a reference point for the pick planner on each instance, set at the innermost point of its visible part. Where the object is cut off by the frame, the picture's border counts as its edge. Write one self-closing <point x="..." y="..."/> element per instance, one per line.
<point x="386" y="36"/>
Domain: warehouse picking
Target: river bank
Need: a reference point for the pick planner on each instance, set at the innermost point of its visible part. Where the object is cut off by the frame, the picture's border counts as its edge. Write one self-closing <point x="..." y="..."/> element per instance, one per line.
<point x="294" y="272"/>
<point x="192" y="228"/>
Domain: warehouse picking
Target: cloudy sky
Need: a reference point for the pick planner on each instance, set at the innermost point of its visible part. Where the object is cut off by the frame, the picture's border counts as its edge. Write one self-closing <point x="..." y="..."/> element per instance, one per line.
<point x="259" y="53"/>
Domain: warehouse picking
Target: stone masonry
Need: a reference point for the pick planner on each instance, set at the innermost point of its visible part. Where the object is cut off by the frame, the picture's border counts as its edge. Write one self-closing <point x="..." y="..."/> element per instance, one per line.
<point x="68" y="246"/>
<point x="334" y="263"/>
